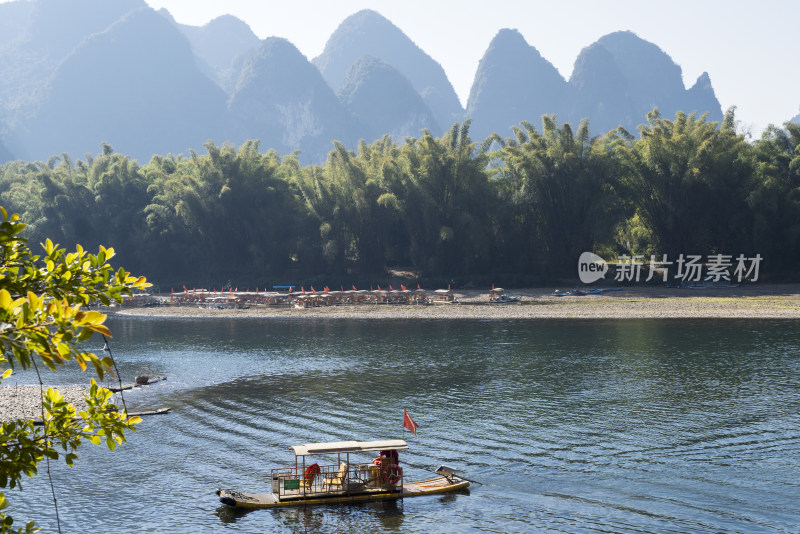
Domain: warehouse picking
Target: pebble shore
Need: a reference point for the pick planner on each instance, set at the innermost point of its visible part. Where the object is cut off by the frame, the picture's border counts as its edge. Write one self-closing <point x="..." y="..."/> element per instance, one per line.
<point x="746" y="302"/>
<point x="25" y="402"/>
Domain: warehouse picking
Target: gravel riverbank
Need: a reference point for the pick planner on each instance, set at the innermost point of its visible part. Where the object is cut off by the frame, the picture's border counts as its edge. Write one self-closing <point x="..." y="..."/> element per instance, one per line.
<point x="25" y="402"/>
<point x="747" y="302"/>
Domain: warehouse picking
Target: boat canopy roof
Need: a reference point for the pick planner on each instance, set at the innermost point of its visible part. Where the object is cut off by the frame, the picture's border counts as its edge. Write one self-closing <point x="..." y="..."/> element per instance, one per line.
<point x="340" y="447"/>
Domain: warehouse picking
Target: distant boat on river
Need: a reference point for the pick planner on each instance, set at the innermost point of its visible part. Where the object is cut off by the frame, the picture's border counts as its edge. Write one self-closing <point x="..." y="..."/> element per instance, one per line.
<point x="498" y="296"/>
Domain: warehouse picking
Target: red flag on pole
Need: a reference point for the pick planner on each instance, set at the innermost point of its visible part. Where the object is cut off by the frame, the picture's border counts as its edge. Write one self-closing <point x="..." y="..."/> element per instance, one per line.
<point x="409" y="423"/>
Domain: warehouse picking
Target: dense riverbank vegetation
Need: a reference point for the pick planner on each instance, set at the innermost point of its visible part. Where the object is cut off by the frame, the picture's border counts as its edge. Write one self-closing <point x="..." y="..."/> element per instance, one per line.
<point x="520" y="209"/>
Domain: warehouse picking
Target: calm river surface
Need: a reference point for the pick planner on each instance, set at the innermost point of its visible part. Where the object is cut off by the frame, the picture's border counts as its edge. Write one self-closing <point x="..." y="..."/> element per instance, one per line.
<point x="571" y="426"/>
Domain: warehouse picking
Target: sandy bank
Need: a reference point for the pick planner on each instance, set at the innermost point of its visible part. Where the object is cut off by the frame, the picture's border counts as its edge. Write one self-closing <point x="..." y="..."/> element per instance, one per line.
<point x="747" y="302"/>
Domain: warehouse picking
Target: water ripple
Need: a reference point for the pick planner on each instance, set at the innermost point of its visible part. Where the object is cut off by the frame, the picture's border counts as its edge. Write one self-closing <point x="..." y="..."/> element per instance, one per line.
<point x="596" y="426"/>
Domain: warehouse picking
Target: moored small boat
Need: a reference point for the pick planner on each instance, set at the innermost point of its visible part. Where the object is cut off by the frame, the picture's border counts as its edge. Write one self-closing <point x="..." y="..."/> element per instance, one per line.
<point x="497" y="296"/>
<point x="346" y="481"/>
<point x="444" y="296"/>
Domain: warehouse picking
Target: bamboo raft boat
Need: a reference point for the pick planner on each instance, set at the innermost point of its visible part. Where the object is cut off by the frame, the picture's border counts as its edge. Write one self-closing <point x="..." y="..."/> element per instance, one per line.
<point x="344" y="482"/>
<point x="140" y="381"/>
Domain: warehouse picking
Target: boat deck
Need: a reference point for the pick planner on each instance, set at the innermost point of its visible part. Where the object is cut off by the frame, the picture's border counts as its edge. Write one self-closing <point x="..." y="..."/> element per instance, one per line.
<point x="346" y="495"/>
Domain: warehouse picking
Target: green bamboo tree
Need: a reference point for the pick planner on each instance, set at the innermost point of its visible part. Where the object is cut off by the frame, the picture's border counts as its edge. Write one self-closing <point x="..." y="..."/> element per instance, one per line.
<point x="559" y="187"/>
<point x="689" y="180"/>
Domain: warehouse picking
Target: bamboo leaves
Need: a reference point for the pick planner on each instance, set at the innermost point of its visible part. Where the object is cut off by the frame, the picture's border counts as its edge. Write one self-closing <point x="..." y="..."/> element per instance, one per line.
<point x="524" y="205"/>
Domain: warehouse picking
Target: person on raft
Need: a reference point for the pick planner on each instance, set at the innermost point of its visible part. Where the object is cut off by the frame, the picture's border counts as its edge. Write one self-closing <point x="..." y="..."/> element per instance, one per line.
<point x="390" y="469"/>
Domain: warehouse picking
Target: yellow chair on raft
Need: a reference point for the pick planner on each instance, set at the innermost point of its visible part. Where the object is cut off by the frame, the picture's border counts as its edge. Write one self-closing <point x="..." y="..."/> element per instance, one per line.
<point x="337" y="480"/>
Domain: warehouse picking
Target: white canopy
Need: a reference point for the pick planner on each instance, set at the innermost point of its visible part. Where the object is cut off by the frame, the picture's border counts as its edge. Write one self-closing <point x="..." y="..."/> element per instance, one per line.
<point x="341" y="447"/>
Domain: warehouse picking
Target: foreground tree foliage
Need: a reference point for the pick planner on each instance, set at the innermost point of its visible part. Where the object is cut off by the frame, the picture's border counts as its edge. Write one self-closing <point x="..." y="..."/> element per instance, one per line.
<point x="521" y="208"/>
<point x="43" y="323"/>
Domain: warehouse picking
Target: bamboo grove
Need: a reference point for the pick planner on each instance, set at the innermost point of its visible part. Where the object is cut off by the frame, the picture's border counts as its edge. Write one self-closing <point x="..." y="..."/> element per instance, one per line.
<point x="515" y="210"/>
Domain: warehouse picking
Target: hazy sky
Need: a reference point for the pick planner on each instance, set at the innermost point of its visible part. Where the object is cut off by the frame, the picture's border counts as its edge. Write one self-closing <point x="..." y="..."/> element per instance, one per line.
<point x="749" y="48"/>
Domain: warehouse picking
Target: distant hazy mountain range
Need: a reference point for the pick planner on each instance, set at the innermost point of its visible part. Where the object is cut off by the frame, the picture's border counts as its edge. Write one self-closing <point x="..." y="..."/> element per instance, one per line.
<point x="76" y="73"/>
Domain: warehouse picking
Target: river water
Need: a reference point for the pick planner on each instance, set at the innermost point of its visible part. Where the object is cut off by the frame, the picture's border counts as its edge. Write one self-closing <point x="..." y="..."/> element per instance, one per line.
<point x="569" y="426"/>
